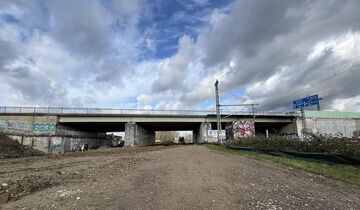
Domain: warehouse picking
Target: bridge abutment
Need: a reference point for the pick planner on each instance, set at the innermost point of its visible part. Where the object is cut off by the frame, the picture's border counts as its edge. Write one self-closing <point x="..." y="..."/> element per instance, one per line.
<point x="45" y="134"/>
<point x="136" y="135"/>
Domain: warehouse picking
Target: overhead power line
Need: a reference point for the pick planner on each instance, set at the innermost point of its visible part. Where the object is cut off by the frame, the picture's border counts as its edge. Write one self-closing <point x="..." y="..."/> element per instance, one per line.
<point x="317" y="83"/>
<point x="355" y="68"/>
<point x="320" y="80"/>
<point x="338" y="65"/>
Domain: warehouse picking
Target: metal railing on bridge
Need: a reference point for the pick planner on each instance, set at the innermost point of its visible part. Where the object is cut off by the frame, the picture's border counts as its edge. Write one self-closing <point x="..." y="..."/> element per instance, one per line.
<point x="116" y="111"/>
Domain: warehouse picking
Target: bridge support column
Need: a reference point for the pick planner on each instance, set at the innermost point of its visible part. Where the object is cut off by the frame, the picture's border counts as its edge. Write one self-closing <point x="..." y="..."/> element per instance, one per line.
<point x="136" y="135"/>
<point x="201" y="135"/>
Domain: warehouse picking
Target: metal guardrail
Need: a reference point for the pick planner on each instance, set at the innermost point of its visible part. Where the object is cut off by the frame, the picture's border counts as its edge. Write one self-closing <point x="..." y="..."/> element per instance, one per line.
<point x="109" y="111"/>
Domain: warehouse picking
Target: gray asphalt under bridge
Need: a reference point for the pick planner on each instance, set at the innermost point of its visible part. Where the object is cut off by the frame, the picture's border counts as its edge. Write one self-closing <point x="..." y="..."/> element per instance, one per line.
<point x="140" y="124"/>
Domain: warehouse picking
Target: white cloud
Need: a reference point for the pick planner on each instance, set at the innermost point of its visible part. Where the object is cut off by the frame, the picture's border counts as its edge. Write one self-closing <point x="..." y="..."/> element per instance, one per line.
<point x="347" y="104"/>
<point x="173" y="70"/>
<point x="96" y="53"/>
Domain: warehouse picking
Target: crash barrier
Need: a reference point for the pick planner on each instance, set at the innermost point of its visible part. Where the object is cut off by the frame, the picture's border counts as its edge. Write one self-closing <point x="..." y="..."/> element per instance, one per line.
<point x="114" y="111"/>
<point x="308" y="156"/>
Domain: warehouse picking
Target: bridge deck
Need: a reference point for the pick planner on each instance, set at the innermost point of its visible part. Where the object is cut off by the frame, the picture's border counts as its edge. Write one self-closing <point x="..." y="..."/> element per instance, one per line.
<point x="62" y="111"/>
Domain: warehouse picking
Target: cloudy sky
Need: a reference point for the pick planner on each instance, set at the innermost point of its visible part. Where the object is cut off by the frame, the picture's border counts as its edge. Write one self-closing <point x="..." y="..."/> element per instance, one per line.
<point x="164" y="54"/>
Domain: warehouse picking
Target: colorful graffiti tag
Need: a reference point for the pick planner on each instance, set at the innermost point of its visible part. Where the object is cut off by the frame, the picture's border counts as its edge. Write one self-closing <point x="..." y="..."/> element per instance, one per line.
<point x="212" y="136"/>
<point x="23" y="126"/>
<point x="14" y="125"/>
<point x="75" y="144"/>
<point x="43" y="127"/>
<point x="243" y="129"/>
<point x="56" y="145"/>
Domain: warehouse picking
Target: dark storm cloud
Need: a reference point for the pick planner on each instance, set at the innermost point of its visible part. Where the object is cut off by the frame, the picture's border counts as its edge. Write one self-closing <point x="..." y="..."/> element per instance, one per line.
<point x="251" y="24"/>
<point x="33" y="86"/>
<point x="263" y="37"/>
<point x="104" y="31"/>
<point x="8" y="52"/>
<point x="95" y="42"/>
<point x="82" y="27"/>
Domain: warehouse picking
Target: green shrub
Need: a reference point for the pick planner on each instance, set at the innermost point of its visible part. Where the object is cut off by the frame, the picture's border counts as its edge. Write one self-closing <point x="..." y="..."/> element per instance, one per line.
<point x="338" y="146"/>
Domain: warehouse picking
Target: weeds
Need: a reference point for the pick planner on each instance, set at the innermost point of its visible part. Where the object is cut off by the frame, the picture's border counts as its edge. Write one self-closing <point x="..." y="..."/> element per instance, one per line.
<point x="339" y="146"/>
<point x="342" y="172"/>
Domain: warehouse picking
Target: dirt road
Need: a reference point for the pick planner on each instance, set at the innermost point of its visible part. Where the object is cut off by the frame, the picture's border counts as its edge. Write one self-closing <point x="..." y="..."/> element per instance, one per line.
<point x="185" y="177"/>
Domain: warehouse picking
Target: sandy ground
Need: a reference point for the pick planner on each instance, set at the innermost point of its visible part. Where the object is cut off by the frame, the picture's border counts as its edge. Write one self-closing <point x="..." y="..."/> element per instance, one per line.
<point x="176" y="177"/>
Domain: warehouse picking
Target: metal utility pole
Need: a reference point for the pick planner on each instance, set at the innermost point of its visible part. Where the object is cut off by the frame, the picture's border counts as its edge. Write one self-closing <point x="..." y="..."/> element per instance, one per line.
<point x="218" y="111"/>
<point x="253" y="111"/>
<point x="303" y="122"/>
<point x="318" y="105"/>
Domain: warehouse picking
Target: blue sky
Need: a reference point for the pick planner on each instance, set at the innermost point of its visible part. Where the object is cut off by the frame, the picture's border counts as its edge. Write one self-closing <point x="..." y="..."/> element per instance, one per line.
<point x="168" y="54"/>
<point x="173" y="19"/>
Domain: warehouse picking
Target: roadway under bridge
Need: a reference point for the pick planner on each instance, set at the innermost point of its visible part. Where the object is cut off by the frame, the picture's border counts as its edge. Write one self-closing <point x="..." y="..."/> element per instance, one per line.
<point x="139" y="125"/>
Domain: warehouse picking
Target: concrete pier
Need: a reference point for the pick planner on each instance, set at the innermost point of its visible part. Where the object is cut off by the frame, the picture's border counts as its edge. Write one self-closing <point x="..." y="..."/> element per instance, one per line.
<point x="136" y="135"/>
<point x="202" y="132"/>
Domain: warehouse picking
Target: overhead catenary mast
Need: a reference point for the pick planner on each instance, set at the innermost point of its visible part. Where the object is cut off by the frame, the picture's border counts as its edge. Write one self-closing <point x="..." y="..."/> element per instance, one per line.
<point x="218" y="122"/>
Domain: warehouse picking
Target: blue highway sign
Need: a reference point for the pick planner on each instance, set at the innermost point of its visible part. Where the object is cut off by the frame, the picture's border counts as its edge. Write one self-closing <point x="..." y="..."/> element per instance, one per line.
<point x="308" y="101"/>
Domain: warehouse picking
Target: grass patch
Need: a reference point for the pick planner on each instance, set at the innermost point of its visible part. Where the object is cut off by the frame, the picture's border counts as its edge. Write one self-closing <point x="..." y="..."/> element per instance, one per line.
<point x="338" y="171"/>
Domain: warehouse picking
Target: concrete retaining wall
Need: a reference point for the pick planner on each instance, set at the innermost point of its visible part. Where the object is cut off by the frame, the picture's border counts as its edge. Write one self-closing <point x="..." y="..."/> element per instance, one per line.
<point x="44" y="134"/>
<point x="332" y="127"/>
<point x="57" y="144"/>
<point x="75" y="143"/>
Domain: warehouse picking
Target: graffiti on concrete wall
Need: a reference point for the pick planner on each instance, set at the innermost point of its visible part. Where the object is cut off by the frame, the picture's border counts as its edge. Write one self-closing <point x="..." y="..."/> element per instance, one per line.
<point x="56" y="145"/>
<point x="14" y="125"/>
<point x="75" y="144"/>
<point x="243" y="129"/>
<point x="332" y="127"/>
<point x="43" y="127"/>
<point x="212" y="136"/>
<point x="229" y="132"/>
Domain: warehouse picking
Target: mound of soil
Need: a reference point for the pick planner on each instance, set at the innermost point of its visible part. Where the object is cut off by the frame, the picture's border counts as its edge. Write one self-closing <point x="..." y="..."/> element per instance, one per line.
<point x="10" y="148"/>
<point x="15" y="189"/>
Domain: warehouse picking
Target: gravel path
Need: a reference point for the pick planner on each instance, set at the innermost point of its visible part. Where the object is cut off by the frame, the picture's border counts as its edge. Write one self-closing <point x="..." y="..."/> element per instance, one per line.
<point x="185" y="177"/>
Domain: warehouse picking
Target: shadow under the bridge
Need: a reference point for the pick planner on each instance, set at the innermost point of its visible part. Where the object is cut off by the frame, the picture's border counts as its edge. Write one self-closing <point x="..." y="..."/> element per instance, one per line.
<point x="97" y="127"/>
<point x="274" y="128"/>
<point x="170" y="126"/>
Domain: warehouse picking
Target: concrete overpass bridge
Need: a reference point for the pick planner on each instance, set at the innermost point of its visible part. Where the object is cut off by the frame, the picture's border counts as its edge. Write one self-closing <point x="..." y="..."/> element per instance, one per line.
<point x="139" y="125"/>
